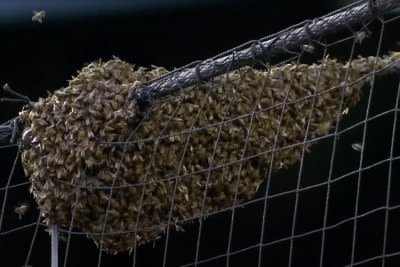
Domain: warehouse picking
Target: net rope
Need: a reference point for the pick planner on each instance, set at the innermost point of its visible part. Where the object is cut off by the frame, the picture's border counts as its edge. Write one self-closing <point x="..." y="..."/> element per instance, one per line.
<point x="282" y="193"/>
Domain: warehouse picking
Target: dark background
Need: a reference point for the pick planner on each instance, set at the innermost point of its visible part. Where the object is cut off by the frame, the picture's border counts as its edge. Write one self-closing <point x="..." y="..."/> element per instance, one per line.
<point x="40" y="57"/>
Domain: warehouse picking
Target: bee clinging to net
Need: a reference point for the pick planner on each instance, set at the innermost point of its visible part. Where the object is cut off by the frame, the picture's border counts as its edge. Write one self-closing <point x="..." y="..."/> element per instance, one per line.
<point x="90" y="136"/>
<point x="308" y="48"/>
<point x="361" y="36"/>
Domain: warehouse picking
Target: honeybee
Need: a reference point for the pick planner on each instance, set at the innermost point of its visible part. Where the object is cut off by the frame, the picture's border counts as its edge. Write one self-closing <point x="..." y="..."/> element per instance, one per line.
<point x="21" y="209"/>
<point x="357" y="147"/>
<point x="38" y="15"/>
<point x="62" y="237"/>
<point x="308" y="48"/>
<point x="360" y="36"/>
<point x="155" y="239"/>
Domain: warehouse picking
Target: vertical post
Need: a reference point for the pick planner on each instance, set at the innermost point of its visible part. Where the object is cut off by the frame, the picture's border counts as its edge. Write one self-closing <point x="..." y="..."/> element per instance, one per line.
<point x="54" y="246"/>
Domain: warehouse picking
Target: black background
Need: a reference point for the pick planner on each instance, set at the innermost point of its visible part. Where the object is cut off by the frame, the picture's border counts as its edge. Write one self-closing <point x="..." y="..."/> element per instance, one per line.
<point x="40" y="57"/>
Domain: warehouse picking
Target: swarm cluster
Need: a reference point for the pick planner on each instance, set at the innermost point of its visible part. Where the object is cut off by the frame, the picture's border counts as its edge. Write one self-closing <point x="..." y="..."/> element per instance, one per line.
<point x="217" y="140"/>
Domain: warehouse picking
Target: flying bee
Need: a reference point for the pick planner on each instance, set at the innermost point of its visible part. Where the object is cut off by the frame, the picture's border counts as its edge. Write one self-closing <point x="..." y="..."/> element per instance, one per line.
<point x="357" y="147"/>
<point x="21" y="209"/>
<point x="38" y="15"/>
<point x="308" y="48"/>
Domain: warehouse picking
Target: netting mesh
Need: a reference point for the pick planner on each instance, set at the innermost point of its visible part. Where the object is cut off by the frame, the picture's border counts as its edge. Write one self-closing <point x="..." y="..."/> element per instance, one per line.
<point x="282" y="152"/>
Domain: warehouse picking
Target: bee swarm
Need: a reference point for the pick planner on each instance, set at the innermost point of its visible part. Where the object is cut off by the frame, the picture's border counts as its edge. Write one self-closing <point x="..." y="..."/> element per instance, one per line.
<point x="73" y="160"/>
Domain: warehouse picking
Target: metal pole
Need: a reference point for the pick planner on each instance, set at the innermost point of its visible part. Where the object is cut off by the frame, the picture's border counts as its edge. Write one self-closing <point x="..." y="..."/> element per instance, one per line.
<point x="54" y="246"/>
<point x="245" y="55"/>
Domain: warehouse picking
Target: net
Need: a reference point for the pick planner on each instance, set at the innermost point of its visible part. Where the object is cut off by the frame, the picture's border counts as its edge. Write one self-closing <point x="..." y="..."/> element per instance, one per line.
<point x="283" y="151"/>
